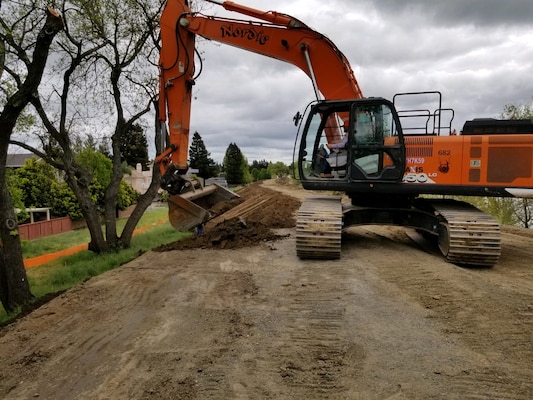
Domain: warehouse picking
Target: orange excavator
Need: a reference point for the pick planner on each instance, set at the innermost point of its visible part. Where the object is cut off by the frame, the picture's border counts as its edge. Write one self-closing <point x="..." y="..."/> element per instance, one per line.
<point x="397" y="162"/>
<point x="279" y="36"/>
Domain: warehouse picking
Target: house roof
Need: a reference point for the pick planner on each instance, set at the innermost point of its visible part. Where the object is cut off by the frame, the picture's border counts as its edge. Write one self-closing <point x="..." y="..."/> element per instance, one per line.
<point x="17" y="160"/>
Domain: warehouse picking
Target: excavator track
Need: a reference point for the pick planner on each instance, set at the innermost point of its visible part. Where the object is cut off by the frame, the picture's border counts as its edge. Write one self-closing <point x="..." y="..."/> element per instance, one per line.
<point x="468" y="236"/>
<point x="319" y="228"/>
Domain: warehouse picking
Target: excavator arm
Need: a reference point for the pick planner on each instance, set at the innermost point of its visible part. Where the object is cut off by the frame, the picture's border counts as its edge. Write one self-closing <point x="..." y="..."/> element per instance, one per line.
<point x="277" y="35"/>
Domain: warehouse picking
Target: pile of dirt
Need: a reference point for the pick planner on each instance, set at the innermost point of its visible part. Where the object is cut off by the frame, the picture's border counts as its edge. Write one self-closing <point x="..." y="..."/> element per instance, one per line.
<point x="243" y="222"/>
<point x="229" y="234"/>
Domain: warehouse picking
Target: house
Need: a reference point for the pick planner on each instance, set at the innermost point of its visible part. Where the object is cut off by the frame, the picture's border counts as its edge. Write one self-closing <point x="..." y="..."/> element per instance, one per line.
<point x="140" y="180"/>
<point x="17" y="160"/>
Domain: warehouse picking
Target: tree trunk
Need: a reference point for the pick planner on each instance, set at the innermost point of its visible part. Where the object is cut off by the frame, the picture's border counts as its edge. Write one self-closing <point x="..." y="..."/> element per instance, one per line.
<point x="2" y="56"/>
<point x="146" y="199"/>
<point x="79" y="183"/>
<point x="527" y="213"/>
<point x="13" y="280"/>
<point x="143" y="203"/>
<point x="15" y="290"/>
<point x="98" y="243"/>
<point x="110" y="215"/>
<point x="111" y="196"/>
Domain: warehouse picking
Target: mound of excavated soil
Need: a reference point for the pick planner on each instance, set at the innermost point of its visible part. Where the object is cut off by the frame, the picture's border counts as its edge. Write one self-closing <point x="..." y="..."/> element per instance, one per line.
<point x="243" y="222"/>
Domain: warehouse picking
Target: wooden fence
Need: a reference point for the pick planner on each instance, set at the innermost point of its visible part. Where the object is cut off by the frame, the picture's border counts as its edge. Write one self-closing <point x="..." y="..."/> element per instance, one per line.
<point x="45" y="228"/>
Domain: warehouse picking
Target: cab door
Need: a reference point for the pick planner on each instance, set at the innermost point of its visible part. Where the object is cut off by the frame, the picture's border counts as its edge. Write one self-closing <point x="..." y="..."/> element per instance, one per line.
<point x="377" y="150"/>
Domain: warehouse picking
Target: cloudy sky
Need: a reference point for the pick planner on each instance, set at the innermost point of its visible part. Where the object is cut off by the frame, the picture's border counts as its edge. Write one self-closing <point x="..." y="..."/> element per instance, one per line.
<point x="478" y="53"/>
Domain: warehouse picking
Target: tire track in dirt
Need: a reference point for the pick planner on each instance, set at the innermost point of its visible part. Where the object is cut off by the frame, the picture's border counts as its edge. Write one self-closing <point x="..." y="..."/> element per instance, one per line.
<point x="313" y="327"/>
<point x="300" y="346"/>
<point x="494" y="319"/>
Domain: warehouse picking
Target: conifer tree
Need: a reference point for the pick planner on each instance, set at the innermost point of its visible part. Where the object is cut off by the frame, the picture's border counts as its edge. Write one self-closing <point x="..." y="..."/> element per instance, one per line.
<point x="199" y="158"/>
<point x="233" y="161"/>
<point x="134" y="147"/>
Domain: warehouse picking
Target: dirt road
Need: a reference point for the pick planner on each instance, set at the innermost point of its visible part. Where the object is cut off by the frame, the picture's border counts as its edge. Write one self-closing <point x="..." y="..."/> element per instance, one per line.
<point x="388" y="321"/>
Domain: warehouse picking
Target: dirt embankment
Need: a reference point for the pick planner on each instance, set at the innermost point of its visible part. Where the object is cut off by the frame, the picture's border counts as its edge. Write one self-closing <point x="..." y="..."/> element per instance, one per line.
<point x="389" y="320"/>
<point x="244" y="222"/>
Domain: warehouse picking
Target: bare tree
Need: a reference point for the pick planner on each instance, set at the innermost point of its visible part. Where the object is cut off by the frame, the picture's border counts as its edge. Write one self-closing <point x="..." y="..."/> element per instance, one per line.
<point x="105" y="55"/>
<point x="518" y="111"/>
<point x="523" y="212"/>
<point x="14" y="288"/>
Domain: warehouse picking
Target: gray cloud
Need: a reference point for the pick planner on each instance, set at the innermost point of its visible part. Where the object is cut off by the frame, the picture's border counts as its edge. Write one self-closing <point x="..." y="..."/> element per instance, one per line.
<point x="485" y="13"/>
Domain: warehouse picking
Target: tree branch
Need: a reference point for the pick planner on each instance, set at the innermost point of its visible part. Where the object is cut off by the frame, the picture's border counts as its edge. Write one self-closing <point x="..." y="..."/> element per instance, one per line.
<point x="16" y="103"/>
<point x="39" y="153"/>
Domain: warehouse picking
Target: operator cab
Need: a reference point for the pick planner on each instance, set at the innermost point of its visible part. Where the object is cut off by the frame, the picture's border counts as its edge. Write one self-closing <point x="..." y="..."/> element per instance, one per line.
<point x="370" y="139"/>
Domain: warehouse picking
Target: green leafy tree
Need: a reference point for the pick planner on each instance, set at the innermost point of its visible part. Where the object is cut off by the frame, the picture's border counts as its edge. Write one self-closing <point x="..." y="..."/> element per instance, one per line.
<point x="264" y="174"/>
<point x="104" y="66"/>
<point x="278" y="169"/>
<point x="36" y="184"/>
<point x="127" y="195"/>
<point x="40" y="185"/>
<point x="233" y="165"/>
<point x="34" y="179"/>
<point x="246" y="175"/>
<point x="134" y="147"/>
<point x="64" y="202"/>
<point x="259" y="170"/>
<point x="255" y="174"/>
<point x="98" y="165"/>
<point x="501" y="208"/>
<point x="259" y="165"/>
<point x="101" y="169"/>
<point x="16" y="196"/>
<point x="524" y="212"/>
<point x="199" y="158"/>
<point x="518" y="111"/>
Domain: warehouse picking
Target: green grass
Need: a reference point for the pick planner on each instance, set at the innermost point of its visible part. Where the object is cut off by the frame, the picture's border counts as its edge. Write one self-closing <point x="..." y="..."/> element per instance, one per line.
<point x="51" y="244"/>
<point x="69" y="271"/>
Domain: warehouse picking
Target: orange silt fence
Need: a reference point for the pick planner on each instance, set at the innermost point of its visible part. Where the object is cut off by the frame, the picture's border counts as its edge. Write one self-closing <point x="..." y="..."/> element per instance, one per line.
<point x="49" y="257"/>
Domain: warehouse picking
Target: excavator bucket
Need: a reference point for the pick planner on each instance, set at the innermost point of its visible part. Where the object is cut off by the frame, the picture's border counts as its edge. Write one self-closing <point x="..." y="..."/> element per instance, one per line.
<point x="190" y="209"/>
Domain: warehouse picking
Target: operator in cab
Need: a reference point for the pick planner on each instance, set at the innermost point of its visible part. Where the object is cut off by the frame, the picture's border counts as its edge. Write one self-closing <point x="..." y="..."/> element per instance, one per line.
<point x="337" y="158"/>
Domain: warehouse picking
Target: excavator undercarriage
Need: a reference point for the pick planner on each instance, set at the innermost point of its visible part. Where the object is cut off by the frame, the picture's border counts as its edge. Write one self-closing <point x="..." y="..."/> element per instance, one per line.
<point x="465" y="235"/>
